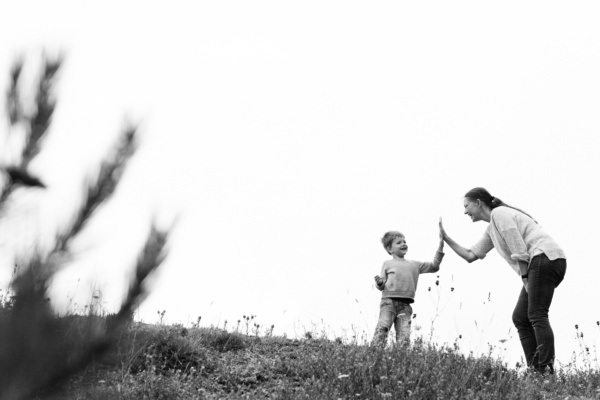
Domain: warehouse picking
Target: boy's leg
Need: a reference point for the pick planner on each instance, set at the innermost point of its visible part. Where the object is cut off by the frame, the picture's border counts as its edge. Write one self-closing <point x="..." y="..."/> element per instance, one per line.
<point x="386" y="320"/>
<point x="402" y="322"/>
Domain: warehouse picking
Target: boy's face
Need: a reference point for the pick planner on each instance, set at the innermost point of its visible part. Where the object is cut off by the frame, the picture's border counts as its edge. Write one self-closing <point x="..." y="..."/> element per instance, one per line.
<point x="399" y="247"/>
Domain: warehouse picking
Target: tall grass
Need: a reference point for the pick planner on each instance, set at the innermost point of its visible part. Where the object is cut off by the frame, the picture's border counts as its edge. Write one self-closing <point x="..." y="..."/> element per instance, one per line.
<point x="40" y="352"/>
<point x="195" y="362"/>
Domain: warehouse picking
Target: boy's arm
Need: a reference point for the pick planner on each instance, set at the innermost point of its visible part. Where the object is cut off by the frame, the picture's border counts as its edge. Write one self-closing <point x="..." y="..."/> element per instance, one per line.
<point x="381" y="278"/>
<point x="437" y="258"/>
<point x="440" y="249"/>
<point x="439" y="254"/>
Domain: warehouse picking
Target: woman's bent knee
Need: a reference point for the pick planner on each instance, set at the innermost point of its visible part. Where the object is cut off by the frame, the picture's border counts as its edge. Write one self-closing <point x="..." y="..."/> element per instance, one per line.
<point x="520" y="319"/>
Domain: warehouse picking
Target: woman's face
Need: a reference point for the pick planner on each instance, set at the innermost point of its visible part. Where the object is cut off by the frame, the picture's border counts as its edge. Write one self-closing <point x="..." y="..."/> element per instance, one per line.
<point x="473" y="209"/>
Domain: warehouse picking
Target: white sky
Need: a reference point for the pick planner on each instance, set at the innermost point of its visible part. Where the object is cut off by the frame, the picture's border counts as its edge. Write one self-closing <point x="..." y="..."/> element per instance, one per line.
<point x="288" y="137"/>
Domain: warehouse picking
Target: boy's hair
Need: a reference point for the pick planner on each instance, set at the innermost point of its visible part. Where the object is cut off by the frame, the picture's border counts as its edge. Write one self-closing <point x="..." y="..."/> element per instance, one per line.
<point x="389" y="238"/>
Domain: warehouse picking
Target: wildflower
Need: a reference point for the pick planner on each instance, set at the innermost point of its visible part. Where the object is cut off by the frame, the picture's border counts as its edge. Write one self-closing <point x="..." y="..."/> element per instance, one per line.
<point x="437" y="283"/>
<point x="452" y="289"/>
<point x="576" y="326"/>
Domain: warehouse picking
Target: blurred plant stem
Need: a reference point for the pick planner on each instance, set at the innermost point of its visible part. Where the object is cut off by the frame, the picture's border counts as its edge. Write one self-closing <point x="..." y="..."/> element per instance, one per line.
<point x="35" y="353"/>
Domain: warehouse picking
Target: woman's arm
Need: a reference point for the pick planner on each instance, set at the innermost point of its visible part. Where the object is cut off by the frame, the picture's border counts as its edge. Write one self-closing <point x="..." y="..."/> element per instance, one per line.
<point x="506" y="225"/>
<point x="463" y="252"/>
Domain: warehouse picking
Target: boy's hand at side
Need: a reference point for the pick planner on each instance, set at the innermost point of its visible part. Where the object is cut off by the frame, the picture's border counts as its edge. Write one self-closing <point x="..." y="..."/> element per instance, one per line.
<point x="378" y="280"/>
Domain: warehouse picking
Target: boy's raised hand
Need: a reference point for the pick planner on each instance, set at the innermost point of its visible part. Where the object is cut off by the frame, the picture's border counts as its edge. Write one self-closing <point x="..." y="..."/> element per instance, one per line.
<point x="442" y="231"/>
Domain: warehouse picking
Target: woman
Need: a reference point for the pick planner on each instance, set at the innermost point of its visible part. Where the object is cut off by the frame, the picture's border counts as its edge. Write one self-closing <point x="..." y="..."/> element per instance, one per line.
<point x="539" y="261"/>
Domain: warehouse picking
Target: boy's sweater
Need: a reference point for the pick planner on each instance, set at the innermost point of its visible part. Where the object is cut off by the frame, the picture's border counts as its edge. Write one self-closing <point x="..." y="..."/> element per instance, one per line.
<point x="400" y="276"/>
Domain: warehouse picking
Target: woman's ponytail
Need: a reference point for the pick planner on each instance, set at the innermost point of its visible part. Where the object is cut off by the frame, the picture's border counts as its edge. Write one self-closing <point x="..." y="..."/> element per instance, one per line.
<point x="492" y="202"/>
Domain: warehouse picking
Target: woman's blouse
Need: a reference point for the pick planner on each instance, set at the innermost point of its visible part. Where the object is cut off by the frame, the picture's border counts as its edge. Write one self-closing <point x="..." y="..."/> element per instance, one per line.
<point x="517" y="237"/>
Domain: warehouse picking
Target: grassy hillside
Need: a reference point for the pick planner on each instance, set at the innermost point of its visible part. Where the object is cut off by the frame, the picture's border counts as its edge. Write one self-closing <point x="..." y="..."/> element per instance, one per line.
<point x="176" y="362"/>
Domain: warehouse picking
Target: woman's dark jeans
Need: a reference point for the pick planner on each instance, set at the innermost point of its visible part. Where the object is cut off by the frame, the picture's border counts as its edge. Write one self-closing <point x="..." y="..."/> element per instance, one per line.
<point x="531" y="313"/>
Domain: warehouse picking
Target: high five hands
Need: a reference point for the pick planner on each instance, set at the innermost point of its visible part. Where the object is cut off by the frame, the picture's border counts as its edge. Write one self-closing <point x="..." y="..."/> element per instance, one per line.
<point x="442" y="231"/>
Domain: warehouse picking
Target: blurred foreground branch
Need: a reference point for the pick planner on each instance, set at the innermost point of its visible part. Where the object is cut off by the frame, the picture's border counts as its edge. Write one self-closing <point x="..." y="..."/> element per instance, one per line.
<point x="36" y="354"/>
<point x="36" y="124"/>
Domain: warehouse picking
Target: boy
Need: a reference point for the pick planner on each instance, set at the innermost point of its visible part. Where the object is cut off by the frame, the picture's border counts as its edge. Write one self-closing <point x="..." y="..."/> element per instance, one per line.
<point x="398" y="281"/>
